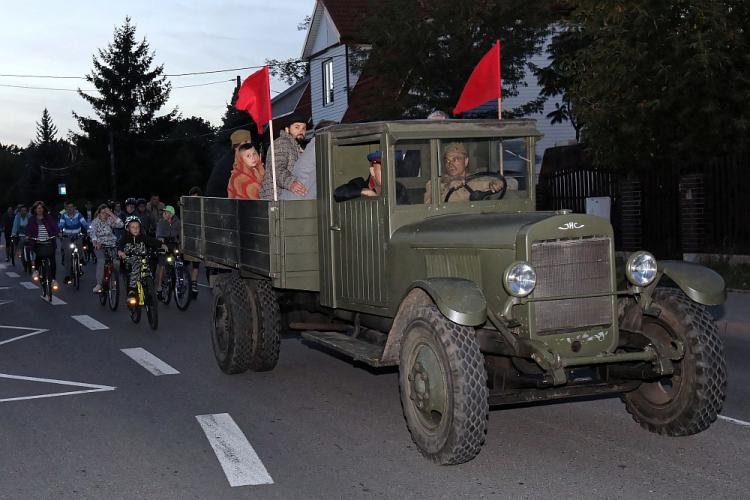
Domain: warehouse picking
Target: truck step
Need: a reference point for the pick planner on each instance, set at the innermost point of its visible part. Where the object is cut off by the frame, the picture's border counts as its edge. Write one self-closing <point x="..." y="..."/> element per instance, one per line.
<point x="358" y="350"/>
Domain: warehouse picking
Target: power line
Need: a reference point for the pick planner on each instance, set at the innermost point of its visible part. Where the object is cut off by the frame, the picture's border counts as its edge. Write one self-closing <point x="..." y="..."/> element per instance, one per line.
<point x="31" y="87"/>
<point x="45" y="88"/>
<point x="190" y="73"/>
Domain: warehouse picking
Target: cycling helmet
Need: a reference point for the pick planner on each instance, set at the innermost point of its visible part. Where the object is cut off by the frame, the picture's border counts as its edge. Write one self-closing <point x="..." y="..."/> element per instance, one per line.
<point x="131" y="201"/>
<point x="130" y="219"/>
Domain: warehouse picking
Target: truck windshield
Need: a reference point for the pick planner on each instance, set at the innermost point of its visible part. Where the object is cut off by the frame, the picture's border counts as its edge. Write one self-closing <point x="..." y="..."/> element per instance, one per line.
<point x="481" y="170"/>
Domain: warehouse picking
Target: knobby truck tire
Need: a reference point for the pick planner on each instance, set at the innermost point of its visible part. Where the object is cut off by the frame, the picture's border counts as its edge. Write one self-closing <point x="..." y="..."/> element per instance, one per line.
<point x="230" y="324"/>
<point x="266" y="326"/>
<point x="459" y="434"/>
<point x="694" y="403"/>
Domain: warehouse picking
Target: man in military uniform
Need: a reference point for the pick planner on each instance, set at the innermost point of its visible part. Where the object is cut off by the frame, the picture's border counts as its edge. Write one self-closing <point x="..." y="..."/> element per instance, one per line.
<point x="453" y="181"/>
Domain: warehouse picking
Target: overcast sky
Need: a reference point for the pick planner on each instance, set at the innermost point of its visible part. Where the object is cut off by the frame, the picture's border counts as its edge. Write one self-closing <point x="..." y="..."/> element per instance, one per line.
<point x="60" y="38"/>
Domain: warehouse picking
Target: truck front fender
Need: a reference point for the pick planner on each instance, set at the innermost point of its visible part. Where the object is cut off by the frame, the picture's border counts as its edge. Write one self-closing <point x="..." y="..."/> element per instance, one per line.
<point x="703" y="285"/>
<point x="459" y="300"/>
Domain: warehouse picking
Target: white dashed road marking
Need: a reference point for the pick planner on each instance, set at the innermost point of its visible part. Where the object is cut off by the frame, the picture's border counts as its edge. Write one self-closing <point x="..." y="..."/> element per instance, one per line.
<point x="11" y="274"/>
<point x="89" y="322"/>
<point x="89" y="387"/>
<point x="149" y="361"/>
<point x="735" y="421"/>
<point x="28" y="285"/>
<point x="236" y="455"/>
<point x="55" y="301"/>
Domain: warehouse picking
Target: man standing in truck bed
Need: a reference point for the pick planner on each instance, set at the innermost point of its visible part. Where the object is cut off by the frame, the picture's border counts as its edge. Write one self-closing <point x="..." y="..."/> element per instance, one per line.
<point x="287" y="150"/>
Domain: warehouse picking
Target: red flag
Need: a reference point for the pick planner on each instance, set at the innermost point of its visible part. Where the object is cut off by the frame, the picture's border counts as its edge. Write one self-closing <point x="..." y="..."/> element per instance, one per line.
<point x="255" y="97"/>
<point x="484" y="83"/>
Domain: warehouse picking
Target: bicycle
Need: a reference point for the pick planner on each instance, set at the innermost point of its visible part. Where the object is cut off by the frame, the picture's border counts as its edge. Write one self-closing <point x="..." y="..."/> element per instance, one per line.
<point x="25" y="254"/>
<point x="176" y="281"/>
<point x="88" y="254"/>
<point x="11" y="250"/>
<point x="110" y="292"/>
<point x="46" y="252"/>
<point x="76" y="268"/>
<point x="145" y="296"/>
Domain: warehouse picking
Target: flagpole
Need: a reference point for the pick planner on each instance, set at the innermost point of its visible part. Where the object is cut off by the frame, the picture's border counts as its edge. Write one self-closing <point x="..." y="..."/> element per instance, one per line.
<point x="500" y="82"/>
<point x="273" y="162"/>
<point x="500" y="108"/>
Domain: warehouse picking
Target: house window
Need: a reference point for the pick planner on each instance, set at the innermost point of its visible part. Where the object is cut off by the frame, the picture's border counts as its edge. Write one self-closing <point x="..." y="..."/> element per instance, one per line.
<point x="327" y="82"/>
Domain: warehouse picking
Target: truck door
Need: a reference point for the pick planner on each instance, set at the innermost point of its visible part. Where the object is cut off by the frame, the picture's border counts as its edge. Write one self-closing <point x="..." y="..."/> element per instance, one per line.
<point x="357" y="234"/>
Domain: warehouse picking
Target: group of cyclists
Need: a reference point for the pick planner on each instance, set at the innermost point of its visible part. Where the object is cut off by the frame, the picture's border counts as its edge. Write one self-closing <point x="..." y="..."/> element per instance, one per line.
<point x="138" y="234"/>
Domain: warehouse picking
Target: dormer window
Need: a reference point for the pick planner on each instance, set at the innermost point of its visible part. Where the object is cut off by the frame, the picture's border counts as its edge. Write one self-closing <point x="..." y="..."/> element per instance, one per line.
<point x="328" y="90"/>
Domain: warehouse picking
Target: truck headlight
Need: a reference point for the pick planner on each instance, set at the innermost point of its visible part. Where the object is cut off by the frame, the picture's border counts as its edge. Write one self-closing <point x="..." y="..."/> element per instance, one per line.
<point x="519" y="279"/>
<point x="641" y="268"/>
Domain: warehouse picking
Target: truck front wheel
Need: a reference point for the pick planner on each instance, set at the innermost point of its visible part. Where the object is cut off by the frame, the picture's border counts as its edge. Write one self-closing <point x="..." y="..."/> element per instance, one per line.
<point x="443" y="386"/>
<point x="689" y="401"/>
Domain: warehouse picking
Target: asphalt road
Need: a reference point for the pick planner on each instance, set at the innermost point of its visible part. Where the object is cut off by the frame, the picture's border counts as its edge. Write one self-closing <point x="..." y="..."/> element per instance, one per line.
<point x="315" y="427"/>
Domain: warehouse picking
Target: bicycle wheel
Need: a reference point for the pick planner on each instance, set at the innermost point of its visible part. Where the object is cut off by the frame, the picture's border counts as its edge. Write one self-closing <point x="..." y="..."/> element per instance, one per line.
<point x="152" y="304"/>
<point x="76" y="259"/>
<point x="103" y="293"/>
<point x="182" y="293"/>
<point x="47" y="279"/>
<point x="12" y="253"/>
<point x="166" y="287"/>
<point x="113" y="293"/>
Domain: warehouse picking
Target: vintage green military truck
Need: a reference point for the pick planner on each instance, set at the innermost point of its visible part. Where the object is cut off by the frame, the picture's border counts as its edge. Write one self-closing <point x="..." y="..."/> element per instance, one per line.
<point x="478" y="298"/>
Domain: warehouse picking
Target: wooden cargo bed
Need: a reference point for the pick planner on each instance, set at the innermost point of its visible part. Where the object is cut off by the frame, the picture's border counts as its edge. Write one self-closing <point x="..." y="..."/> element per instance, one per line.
<point x="278" y="240"/>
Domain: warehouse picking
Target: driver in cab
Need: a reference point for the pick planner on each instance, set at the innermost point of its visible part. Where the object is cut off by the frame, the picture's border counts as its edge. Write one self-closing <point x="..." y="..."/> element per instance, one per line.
<point x="457" y="185"/>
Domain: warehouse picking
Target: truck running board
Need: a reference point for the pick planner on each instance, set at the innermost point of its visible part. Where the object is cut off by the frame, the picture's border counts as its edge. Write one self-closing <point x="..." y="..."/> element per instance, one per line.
<point x="359" y="350"/>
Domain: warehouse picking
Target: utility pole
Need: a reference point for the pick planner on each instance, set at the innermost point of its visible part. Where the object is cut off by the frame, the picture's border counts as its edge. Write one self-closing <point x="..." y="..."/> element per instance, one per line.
<point x="112" y="167"/>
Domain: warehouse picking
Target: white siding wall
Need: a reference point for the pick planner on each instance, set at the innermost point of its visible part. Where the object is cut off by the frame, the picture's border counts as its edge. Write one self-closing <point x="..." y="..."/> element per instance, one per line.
<point x="326" y="34"/>
<point x="336" y="110"/>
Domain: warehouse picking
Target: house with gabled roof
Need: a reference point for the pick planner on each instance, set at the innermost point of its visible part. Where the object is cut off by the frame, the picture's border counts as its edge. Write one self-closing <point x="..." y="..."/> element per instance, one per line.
<point x="330" y="45"/>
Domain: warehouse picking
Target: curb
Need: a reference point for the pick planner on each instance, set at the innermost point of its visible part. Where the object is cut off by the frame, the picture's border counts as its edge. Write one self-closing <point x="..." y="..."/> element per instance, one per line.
<point x="740" y="327"/>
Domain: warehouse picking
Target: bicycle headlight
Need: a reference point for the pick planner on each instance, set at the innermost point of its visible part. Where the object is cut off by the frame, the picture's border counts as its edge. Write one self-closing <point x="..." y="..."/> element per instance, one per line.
<point x="169" y="259"/>
<point x="72" y="246"/>
<point x="641" y="268"/>
<point x="519" y="279"/>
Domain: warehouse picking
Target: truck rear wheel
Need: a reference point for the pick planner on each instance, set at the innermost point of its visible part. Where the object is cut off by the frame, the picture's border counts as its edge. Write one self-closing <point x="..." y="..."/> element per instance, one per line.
<point x="265" y="326"/>
<point x="443" y="386"/>
<point x="689" y="401"/>
<point x="245" y="326"/>
<point x="229" y="325"/>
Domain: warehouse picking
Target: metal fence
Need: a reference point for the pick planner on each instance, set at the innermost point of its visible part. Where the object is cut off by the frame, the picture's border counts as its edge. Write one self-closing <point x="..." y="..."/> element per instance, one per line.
<point x="672" y="210"/>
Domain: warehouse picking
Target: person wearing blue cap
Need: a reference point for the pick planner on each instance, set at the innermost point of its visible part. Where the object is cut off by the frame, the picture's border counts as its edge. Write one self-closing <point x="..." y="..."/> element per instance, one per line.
<point x="372" y="186"/>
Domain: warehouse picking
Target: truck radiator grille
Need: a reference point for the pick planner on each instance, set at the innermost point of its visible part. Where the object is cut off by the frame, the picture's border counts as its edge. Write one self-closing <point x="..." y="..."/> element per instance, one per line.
<point x="571" y="267"/>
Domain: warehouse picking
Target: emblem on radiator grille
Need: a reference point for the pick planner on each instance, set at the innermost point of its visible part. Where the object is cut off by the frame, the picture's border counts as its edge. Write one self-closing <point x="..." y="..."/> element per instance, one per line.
<point x="571" y="225"/>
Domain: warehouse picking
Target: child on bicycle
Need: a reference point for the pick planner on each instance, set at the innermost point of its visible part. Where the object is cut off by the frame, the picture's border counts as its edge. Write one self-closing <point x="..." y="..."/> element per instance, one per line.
<point x="132" y="247"/>
<point x="103" y="238"/>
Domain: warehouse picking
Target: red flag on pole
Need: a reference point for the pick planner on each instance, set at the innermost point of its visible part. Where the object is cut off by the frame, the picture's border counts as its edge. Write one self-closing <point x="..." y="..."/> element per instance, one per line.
<point x="255" y="97"/>
<point x="484" y="83"/>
